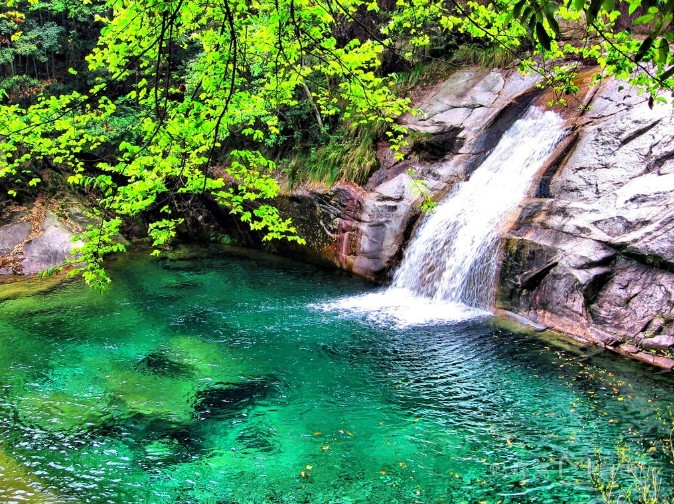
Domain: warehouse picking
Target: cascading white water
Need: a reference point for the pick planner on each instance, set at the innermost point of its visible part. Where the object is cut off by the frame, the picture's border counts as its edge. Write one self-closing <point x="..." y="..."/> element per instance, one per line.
<point x="447" y="273"/>
<point x="453" y="256"/>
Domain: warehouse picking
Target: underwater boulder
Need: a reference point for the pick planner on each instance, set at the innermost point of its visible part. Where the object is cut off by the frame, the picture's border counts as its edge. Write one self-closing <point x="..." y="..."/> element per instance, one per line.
<point x="20" y="485"/>
<point x="160" y="364"/>
<point x="225" y="399"/>
<point x="58" y="411"/>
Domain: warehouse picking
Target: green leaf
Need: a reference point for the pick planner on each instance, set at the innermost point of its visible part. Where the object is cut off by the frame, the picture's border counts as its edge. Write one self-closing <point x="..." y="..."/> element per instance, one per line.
<point x="643" y="49"/>
<point x="642" y="20"/>
<point x="667" y="73"/>
<point x="578" y="5"/>
<point x="543" y="36"/>
<point x="552" y="22"/>
<point x="663" y="51"/>
<point x="592" y="11"/>
<point x="517" y="10"/>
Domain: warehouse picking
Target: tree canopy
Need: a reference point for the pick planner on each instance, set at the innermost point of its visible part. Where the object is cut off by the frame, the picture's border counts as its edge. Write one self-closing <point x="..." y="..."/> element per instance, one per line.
<point x="149" y="103"/>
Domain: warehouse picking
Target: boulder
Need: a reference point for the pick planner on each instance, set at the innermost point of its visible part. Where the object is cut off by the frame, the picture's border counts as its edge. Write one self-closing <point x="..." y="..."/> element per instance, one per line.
<point x="38" y="238"/>
<point x="50" y="248"/>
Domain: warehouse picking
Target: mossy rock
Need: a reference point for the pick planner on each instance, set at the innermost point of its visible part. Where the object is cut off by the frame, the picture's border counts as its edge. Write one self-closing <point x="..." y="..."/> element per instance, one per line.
<point x="63" y="412"/>
<point x="152" y="395"/>
<point x="30" y="286"/>
<point x="18" y="484"/>
<point x="165" y="383"/>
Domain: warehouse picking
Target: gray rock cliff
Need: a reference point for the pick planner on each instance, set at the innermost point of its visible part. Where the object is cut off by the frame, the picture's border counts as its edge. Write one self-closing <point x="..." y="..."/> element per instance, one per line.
<point x="592" y="251"/>
<point x="593" y="255"/>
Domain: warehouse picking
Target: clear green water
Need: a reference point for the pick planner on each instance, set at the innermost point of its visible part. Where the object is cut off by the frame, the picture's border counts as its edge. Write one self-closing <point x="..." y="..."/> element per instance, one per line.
<point x="211" y="379"/>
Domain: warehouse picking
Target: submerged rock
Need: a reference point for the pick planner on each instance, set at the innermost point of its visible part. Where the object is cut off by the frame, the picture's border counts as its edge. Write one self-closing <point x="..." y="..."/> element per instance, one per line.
<point x="225" y="399"/>
<point x="159" y="364"/>
<point x="64" y="413"/>
<point x="19" y="484"/>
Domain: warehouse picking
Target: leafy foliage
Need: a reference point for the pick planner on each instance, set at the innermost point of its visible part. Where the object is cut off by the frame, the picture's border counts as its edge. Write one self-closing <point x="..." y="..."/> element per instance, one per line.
<point x="184" y="98"/>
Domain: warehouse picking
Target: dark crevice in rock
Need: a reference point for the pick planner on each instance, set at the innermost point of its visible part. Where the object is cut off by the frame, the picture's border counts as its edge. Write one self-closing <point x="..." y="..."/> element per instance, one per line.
<point x="639" y="132"/>
<point x="654" y="165"/>
<point x="594" y="287"/>
<point x="556" y="160"/>
<point x="495" y="129"/>
<point x="650" y="261"/>
<point x="437" y="146"/>
<point x="531" y="279"/>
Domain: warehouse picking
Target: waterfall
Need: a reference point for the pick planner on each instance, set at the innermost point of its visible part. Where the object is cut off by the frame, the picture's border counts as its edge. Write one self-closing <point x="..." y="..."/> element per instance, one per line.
<point x="448" y="270"/>
<point x="453" y="255"/>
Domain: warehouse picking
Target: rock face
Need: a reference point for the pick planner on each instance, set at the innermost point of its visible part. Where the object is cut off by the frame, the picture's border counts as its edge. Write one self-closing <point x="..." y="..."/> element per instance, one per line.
<point x="36" y="238"/>
<point x="362" y="229"/>
<point x="593" y="255"/>
<point x="592" y="252"/>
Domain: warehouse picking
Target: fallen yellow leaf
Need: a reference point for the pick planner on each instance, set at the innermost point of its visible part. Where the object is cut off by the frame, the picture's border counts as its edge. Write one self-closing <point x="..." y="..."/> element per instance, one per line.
<point x="326" y="447"/>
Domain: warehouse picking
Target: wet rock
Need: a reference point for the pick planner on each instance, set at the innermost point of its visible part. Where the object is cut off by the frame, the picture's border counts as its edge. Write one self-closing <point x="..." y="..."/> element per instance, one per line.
<point x="363" y="229"/>
<point x="596" y="258"/>
<point x="658" y="343"/>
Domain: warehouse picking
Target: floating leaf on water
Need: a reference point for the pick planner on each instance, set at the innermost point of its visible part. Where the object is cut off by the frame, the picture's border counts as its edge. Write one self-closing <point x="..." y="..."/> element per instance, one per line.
<point x="309" y="467"/>
<point x="383" y="473"/>
<point x="317" y="433"/>
<point x="326" y="447"/>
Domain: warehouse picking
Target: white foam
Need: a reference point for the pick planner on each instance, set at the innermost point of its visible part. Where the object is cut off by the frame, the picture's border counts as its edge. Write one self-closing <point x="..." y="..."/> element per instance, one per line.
<point x="398" y="307"/>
